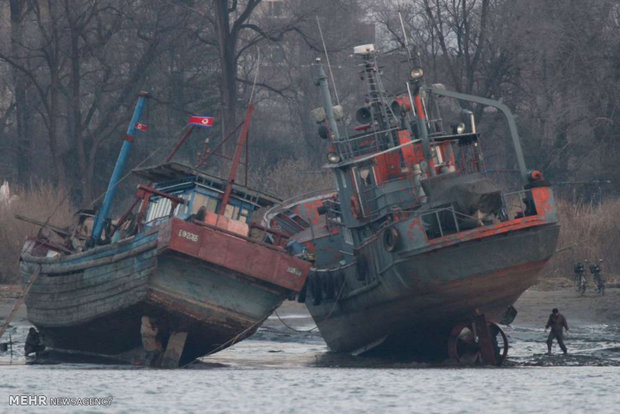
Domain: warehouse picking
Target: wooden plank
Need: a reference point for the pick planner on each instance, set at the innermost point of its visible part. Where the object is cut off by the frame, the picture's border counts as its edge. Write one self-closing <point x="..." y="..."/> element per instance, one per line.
<point x="174" y="349"/>
<point x="20" y="300"/>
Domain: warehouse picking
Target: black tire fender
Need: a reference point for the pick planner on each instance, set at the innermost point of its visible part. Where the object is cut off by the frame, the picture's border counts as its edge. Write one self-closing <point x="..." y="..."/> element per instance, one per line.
<point x="391" y="239"/>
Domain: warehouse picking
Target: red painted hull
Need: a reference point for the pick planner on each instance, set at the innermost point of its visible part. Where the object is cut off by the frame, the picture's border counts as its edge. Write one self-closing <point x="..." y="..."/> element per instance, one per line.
<point x="265" y="263"/>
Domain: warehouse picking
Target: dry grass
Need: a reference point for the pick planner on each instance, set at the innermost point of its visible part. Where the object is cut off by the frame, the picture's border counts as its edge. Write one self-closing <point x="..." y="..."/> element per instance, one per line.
<point x="587" y="232"/>
<point x="39" y="202"/>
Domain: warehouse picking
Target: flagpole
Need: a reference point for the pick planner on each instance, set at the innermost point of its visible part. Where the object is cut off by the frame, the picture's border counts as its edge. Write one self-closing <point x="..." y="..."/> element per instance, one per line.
<point x="118" y="170"/>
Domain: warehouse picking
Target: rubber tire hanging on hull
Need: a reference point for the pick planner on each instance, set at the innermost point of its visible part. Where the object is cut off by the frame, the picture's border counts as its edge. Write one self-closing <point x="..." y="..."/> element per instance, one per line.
<point x="391" y="239"/>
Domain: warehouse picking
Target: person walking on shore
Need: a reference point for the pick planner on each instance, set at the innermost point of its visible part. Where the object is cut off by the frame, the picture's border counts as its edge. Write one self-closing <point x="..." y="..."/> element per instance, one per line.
<point x="557" y="322"/>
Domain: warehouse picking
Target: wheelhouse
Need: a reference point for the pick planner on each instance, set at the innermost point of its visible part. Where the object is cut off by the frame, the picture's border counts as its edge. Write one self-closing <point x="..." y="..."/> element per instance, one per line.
<point x="198" y="189"/>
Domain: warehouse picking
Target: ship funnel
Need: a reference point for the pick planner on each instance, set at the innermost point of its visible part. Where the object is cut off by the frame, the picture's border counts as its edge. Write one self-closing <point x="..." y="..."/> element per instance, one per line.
<point x="363" y="115"/>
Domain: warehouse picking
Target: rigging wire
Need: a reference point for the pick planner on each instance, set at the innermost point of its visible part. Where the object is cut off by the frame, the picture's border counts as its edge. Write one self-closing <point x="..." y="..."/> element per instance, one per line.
<point x="255" y="74"/>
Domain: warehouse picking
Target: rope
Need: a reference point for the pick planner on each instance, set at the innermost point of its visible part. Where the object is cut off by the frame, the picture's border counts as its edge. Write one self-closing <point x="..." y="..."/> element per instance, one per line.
<point x="338" y="297"/>
<point x="294" y="329"/>
<point x="235" y="338"/>
<point x="171" y="106"/>
<point x="47" y="220"/>
<point x="127" y="174"/>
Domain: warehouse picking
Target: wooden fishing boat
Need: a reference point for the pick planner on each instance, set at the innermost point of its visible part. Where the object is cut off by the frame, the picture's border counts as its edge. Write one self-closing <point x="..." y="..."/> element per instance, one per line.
<point x="193" y="262"/>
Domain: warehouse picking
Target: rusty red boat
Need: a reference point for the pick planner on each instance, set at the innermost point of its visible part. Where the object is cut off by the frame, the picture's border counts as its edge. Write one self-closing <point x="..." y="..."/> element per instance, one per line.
<point x="421" y="250"/>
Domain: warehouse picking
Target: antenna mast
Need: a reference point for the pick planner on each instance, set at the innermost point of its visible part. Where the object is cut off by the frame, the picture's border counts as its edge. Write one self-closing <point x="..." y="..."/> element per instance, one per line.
<point x="329" y="66"/>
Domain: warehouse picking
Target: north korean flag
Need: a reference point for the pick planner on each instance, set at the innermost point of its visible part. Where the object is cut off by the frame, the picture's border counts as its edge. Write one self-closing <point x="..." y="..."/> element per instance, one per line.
<point x="203" y="121"/>
<point x="140" y="126"/>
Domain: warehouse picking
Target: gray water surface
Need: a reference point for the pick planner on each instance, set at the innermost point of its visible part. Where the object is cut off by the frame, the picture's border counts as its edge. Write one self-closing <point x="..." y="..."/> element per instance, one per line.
<point x="281" y="371"/>
<point x="324" y="390"/>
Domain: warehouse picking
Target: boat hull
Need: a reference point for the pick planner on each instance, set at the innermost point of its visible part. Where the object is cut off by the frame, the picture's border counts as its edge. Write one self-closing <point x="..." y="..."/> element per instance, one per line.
<point x="93" y="302"/>
<point x="413" y="304"/>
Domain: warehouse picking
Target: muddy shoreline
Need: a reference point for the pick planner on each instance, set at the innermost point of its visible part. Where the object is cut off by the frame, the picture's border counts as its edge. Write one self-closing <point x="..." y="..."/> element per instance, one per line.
<point x="533" y="306"/>
<point x="289" y="337"/>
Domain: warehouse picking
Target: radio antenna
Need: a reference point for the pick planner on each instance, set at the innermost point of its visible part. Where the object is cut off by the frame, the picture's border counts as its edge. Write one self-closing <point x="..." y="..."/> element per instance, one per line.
<point x="329" y="66"/>
<point x="406" y="41"/>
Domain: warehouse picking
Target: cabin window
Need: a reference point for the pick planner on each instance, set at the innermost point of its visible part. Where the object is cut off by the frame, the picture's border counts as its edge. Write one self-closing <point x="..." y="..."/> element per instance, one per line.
<point x="160" y="207"/>
<point x="231" y="212"/>
<point x="244" y="215"/>
<point x="365" y="176"/>
<point x="203" y="200"/>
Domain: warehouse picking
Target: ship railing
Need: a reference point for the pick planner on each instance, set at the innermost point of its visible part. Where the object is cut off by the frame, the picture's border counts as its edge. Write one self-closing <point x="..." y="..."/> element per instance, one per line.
<point x="292" y="202"/>
<point x="371" y="197"/>
<point x="365" y="143"/>
<point x="446" y="220"/>
<point x="440" y="222"/>
<point x="518" y="204"/>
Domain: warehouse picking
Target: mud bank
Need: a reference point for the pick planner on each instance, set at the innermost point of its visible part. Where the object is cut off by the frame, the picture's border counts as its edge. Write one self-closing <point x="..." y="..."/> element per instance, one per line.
<point x="535" y="305"/>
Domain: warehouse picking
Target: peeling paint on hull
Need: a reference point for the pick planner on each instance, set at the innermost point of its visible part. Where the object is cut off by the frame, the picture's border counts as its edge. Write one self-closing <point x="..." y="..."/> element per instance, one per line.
<point x="93" y="301"/>
<point x="426" y="294"/>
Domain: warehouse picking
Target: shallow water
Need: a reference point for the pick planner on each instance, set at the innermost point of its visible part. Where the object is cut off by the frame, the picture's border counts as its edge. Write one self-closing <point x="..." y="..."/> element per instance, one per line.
<point x="283" y="371"/>
<point x="242" y="389"/>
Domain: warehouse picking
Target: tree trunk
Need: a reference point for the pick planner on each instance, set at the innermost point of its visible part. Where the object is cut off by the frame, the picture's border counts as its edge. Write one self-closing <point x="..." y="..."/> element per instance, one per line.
<point x="53" y="126"/>
<point x="228" y="63"/>
<point x="75" y="119"/>
<point x="23" y="121"/>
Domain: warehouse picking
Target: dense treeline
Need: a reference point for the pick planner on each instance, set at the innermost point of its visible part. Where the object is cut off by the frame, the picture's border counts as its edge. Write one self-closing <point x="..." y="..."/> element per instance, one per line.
<point x="71" y="70"/>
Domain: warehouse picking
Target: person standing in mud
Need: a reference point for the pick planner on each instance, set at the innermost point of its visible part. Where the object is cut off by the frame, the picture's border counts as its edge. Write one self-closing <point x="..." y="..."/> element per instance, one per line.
<point x="150" y="342"/>
<point x="557" y="322"/>
<point x="595" y="269"/>
<point x="33" y="343"/>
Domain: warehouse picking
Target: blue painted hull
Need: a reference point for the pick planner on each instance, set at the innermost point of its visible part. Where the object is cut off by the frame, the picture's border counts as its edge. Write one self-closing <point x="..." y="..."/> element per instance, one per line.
<point x="93" y="301"/>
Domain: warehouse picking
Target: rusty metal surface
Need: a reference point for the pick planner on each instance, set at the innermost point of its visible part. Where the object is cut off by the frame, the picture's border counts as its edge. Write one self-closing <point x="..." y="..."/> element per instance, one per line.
<point x="434" y="288"/>
<point x="239" y="255"/>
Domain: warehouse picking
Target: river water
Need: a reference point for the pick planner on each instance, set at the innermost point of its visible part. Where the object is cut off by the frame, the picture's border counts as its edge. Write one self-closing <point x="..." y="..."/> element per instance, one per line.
<point x="280" y="371"/>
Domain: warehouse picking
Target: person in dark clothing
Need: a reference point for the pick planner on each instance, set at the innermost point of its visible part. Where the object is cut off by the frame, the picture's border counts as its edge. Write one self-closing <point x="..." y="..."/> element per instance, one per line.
<point x="199" y="215"/>
<point x="595" y="269"/>
<point x="33" y="343"/>
<point x="556" y="322"/>
<point x="579" y="268"/>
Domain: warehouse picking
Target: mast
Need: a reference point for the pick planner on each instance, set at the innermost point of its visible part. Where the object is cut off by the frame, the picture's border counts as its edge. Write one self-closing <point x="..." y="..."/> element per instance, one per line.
<point x="327" y="103"/>
<point x="118" y="169"/>
<point x="237" y="159"/>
